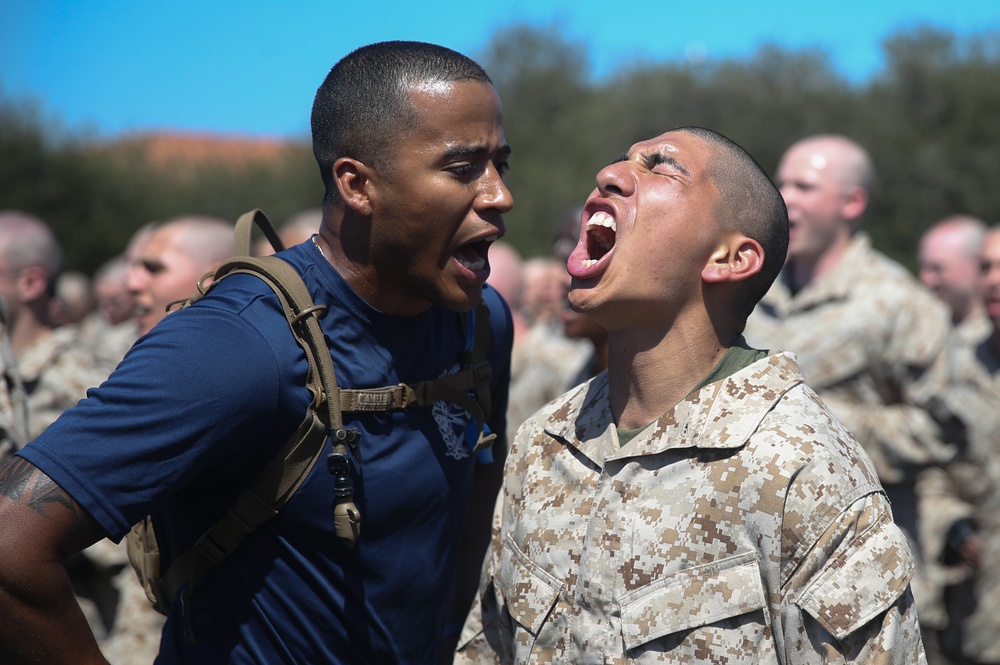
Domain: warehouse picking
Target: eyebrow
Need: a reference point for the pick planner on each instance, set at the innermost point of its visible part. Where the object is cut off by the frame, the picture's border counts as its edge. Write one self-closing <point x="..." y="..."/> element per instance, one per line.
<point x="653" y="158"/>
<point x="474" y="151"/>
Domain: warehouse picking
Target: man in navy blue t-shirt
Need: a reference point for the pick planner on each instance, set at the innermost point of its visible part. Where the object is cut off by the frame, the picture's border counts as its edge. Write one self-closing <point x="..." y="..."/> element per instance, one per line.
<point x="410" y="145"/>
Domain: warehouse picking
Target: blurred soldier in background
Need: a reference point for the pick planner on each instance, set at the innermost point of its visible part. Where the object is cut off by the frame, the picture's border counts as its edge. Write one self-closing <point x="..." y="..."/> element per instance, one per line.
<point x="949" y="267"/>
<point x="869" y="339"/>
<point x="56" y="367"/>
<point x="13" y="401"/>
<point x="176" y="255"/>
<point x="963" y="500"/>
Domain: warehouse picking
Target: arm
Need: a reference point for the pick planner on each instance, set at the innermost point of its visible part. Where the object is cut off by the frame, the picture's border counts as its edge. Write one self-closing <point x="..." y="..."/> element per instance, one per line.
<point x="472" y="548"/>
<point x="915" y="421"/>
<point x="849" y="600"/>
<point x="42" y="526"/>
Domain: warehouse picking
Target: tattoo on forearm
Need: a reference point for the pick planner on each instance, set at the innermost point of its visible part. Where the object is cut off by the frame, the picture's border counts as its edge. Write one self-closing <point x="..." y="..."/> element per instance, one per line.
<point x="21" y="481"/>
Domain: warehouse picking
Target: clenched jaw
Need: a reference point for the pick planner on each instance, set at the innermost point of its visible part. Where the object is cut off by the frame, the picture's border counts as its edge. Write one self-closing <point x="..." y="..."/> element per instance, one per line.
<point x="597" y="243"/>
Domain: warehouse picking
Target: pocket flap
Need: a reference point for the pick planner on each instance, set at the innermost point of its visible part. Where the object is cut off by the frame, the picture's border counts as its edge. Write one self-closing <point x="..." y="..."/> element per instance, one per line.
<point x="692" y="597"/>
<point x="529" y="591"/>
<point x="856" y="588"/>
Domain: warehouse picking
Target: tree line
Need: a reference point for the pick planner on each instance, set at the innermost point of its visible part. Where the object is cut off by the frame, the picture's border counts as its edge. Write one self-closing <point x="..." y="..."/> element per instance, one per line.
<point x="930" y="119"/>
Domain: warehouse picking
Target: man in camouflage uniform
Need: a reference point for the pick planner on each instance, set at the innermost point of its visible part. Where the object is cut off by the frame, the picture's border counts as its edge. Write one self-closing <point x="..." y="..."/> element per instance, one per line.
<point x="696" y="502"/>
<point x="949" y="268"/>
<point x="55" y="366"/>
<point x="13" y="402"/>
<point x="965" y="497"/>
<point x="110" y="329"/>
<point x="869" y="339"/>
<point x="949" y="255"/>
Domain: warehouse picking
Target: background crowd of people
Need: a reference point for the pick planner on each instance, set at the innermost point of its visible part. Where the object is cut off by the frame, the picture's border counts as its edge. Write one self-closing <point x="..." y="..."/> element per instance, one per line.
<point x="912" y="370"/>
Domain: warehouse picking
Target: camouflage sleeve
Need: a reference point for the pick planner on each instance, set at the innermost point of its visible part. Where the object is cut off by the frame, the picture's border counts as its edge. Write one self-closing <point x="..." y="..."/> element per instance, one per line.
<point x="849" y="600"/>
<point x="13" y="402"/>
<point x="487" y="630"/>
<point x="61" y="384"/>
<point x="914" y="424"/>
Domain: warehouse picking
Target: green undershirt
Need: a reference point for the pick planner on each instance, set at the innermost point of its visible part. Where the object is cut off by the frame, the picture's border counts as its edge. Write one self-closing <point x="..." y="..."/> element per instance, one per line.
<point x="738" y="356"/>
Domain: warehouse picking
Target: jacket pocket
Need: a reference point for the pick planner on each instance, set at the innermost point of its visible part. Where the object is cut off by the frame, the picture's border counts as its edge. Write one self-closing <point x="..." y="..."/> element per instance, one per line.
<point x="692" y="597"/>
<point x="528" y="590"/>
<point x="856" y="588"/>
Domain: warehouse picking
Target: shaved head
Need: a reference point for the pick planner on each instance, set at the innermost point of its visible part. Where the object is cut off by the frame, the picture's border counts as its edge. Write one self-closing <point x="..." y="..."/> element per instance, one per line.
<point x="748" y="202"/>
<point x="949" y="263"/>
<point x="844" y="159"/>
<point x="176" y="255"/>
<point x="27" y="241"/>
<point x="205" y="240"/>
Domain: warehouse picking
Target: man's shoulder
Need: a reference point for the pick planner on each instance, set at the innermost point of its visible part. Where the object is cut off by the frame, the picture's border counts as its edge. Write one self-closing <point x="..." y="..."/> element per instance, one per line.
<point x="876" y="276"/>
<point x="61" y="352"/>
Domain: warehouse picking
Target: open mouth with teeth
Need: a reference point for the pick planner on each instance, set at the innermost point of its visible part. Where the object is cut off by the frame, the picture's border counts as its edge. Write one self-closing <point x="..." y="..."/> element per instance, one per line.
<point x="601" y="230"/>
<point x="473" y="256"/>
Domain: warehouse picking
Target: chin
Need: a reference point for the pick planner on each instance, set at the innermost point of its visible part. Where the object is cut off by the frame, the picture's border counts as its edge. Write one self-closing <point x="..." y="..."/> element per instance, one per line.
<point x="461" y="301"/>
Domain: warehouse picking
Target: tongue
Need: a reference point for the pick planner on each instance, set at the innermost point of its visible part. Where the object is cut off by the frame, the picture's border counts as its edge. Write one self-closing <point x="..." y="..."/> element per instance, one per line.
<point x="470" y="258"/>
<point x="603" y="239"/>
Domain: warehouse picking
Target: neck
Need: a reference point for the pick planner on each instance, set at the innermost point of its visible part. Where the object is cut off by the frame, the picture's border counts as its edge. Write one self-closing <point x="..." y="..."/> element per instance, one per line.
<point x="973" y="307"/>
<point x="26" y="331"/>
<point x="805" y="269"/>
<point x="650" y="372"/>
<point x="364" y="281"/>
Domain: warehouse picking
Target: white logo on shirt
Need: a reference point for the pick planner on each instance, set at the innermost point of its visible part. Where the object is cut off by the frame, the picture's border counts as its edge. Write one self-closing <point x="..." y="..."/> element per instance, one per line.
<point x="452" y="420"/>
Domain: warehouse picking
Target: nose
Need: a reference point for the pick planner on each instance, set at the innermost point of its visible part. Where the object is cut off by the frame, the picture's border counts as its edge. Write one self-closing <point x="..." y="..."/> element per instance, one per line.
<point x="616" y="179"/>
<point x="135" y="278"/>
<point x="494" y="194"/>
<point x="788" y="192"/>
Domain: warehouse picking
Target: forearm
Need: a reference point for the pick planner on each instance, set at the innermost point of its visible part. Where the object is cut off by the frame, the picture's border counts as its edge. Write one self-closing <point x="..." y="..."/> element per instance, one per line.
<point x="42" y="620"/>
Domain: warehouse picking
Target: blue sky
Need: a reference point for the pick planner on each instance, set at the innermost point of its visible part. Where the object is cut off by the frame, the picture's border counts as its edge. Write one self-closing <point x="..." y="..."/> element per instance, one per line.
<point x="251" y="67"/>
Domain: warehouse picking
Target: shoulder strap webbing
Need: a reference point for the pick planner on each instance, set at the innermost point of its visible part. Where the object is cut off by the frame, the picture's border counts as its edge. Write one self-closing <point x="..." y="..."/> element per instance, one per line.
<point x="474" y="376"/>
<point x="275" y="484"/>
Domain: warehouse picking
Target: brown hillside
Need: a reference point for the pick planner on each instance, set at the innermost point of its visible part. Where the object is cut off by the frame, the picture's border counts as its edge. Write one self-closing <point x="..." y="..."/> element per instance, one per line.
<point x="177" y="149"/>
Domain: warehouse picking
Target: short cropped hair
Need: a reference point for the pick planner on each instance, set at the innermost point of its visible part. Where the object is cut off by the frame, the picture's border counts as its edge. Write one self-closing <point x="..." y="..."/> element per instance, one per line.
<point x="27" y="241"/>
<point x="363" y="106"/>
<point x="750" y="203"/>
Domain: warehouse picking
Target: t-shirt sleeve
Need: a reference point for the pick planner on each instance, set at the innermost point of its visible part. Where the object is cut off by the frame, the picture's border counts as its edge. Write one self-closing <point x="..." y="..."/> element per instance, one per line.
<point x="201" y="384"/>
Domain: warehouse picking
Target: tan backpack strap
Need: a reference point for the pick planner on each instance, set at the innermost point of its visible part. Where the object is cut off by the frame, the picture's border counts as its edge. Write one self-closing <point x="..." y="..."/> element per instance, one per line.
<point x="473" y="377"/>
<point x="278" y="481"/>
<point x="482" y="341"/>
<point x="242" y="237"/>
<point x="243" y="234"/>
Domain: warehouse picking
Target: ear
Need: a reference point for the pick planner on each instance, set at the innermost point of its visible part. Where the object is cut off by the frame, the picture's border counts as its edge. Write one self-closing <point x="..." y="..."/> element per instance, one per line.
<point x="855" y="202"/>
<point x="354" y="181"/>
<point x="735" y="259"/>
<point x="32" y="283"/>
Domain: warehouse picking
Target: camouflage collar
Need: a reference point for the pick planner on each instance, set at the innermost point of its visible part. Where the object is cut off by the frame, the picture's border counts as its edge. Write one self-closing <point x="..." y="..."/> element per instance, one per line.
<point x="721" y="415"/>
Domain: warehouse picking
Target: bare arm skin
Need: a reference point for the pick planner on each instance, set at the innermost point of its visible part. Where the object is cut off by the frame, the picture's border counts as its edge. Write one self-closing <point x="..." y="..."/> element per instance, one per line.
<point x="42" y="525"/>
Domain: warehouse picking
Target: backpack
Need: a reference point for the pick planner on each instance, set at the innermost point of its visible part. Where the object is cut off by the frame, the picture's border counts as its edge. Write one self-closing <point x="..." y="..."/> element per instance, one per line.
<point x="273" y="486"/>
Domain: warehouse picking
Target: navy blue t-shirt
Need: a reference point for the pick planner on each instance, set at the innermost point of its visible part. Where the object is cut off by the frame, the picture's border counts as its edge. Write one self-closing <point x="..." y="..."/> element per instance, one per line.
<point x="206" y="399"/>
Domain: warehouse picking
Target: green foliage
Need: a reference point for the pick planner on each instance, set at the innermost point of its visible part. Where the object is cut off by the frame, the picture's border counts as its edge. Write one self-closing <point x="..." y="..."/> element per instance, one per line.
<point x="931" y="121"/>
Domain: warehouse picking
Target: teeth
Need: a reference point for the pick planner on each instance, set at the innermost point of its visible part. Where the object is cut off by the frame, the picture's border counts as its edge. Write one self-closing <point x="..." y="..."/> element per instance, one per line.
<point x="492" y="238"/>
<point x="478" y="264"/>
<point x="600" y="218"/>
<point x="588" y="262"/>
